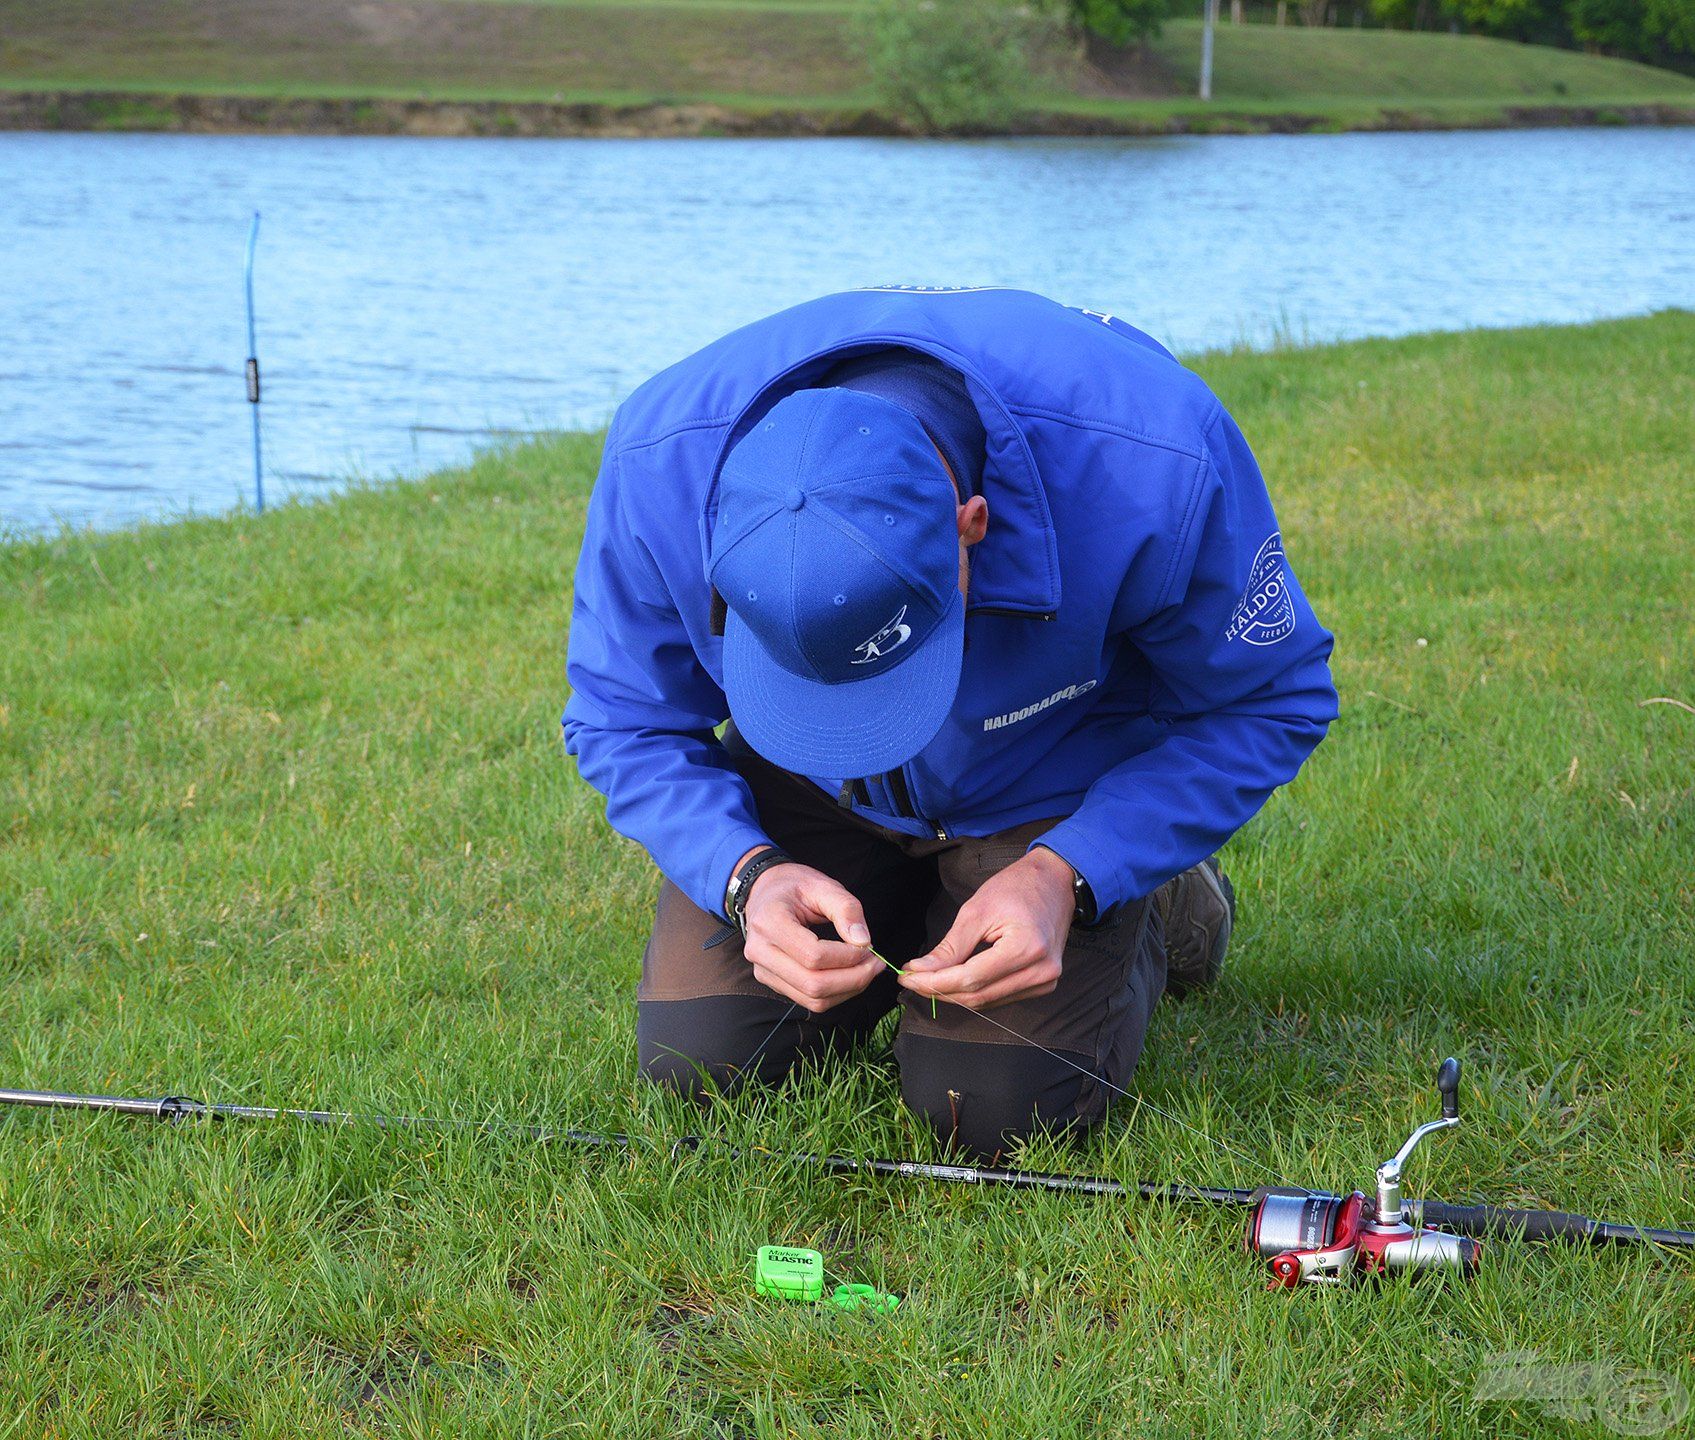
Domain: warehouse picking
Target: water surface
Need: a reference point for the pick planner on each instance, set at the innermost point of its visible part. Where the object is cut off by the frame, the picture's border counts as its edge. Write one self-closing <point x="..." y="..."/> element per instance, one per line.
<point x="419" y="297"/>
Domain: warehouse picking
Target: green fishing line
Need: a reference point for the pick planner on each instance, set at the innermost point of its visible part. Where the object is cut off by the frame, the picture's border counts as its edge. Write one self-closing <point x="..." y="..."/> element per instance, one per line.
<point x="896" y="968"/>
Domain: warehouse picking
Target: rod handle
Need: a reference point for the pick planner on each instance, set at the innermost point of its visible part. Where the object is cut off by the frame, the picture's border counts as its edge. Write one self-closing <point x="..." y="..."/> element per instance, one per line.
<point x="1545" y="1225"/>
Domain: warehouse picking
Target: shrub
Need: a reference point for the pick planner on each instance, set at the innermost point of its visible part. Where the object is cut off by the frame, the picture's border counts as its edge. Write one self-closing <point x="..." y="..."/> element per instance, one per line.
<point x="1119" y="22"/>
<point x="950" y="65"/>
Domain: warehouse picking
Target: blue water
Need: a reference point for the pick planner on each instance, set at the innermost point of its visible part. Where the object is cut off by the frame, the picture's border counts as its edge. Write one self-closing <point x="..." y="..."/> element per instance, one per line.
<point x="419" y="297"/>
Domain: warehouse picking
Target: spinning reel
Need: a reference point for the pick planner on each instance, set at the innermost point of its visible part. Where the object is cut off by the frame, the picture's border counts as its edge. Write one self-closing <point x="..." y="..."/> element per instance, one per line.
<point x="1318" y="1239"/>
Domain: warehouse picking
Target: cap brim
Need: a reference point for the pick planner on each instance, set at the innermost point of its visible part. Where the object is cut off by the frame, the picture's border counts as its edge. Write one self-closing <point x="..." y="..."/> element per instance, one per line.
<point x="849" y="730"/>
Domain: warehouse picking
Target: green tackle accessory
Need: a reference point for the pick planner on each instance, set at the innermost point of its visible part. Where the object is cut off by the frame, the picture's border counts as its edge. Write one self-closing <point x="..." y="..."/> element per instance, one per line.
<point x="862" y="1297"/>
<point x="788" y="1273"/>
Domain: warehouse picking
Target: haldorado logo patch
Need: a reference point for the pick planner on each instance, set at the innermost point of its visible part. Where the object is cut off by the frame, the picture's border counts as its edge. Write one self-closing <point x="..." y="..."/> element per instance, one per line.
<point x="1266" y="613"/>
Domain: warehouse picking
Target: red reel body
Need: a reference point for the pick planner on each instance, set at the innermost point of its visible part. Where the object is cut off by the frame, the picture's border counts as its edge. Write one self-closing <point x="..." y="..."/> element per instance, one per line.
<point x="1317" y="1239"/>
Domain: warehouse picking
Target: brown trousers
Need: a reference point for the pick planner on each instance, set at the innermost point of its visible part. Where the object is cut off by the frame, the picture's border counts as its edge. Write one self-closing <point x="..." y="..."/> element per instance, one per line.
<point x="704" y="1022"/>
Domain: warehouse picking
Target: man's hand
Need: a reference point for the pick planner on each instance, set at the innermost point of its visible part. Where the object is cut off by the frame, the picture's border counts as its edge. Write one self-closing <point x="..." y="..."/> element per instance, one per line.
<point x="786" y="956"/>
<point x="1024" y="915"/>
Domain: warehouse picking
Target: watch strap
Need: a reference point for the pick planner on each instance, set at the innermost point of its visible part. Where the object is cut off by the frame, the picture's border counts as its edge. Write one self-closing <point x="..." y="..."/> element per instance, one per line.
<point x="1087" y="912"/>
<point x="741" y="883"/>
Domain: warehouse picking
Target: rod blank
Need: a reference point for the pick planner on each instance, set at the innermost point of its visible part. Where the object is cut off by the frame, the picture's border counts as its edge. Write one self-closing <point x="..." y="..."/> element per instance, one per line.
<point x="1476" y="1220"/>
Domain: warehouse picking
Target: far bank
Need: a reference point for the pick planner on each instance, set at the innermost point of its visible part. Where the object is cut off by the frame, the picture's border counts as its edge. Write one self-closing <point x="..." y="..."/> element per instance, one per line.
<point x="232" y="114"/>
<point x="777" y="68"/>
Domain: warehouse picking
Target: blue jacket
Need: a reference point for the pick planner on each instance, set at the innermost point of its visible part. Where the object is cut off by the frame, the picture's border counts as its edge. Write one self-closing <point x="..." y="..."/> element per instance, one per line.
<point x="1140" y="657"/>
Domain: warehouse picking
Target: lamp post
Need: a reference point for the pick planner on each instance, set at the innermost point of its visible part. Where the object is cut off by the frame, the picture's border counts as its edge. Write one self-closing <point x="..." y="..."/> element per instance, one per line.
<point x="1206" y="48"/>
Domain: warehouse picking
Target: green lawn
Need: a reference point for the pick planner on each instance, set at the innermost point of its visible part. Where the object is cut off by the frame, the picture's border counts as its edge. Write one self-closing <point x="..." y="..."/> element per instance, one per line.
<point x="1264" y="63"/>
<point x="284" y="818"/>
<point x="753" y="55"/>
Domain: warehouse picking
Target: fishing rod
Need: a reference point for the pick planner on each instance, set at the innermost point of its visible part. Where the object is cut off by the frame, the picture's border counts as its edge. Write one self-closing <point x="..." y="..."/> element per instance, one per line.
<point x="1304" y="1236"/>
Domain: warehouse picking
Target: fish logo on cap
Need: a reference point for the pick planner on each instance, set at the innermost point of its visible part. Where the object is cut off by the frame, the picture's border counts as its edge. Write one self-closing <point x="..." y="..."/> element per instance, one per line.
<point x="879" y="645"/>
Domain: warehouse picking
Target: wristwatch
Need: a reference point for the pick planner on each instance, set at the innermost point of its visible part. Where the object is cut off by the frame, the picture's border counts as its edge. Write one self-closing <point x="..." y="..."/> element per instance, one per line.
<point x="741" y="883"/>
<point x="1085" y="913"/>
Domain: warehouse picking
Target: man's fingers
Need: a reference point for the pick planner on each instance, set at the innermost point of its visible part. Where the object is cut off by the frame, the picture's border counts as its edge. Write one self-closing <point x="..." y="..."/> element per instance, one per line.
<point x="1011" y="956"/>
<point x="966" y="933"/>
<point x="830" y="901"/>
<point x="814" y="990"/>
<point x="785" y="934"/>
<point x="1014" y="987"/>
<point x="969" y="975"/>
<point x="1026" y="984"/>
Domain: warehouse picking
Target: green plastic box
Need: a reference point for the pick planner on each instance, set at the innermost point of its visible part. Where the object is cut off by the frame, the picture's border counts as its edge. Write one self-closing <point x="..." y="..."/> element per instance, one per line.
<point x="789" y="1273"/>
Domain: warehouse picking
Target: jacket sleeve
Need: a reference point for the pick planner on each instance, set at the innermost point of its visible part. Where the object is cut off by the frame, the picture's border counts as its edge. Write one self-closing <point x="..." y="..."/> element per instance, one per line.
<point x="643" y="710"/>
<point x="1241" y="686"/>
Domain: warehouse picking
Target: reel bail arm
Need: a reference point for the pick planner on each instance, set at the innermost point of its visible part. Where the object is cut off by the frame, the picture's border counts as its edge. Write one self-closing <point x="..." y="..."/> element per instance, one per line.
<point x="1326" y="1239"/>
<point x="1389" y="1172"/>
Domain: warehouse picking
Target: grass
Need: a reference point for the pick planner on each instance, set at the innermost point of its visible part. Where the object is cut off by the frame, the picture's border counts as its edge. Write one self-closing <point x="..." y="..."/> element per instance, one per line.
<point x="753" y="57"/>
<point x="284" y="818"/>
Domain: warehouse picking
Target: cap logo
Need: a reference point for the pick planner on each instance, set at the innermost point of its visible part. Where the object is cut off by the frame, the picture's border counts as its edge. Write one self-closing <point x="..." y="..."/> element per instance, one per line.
<point x="891" y="637"/>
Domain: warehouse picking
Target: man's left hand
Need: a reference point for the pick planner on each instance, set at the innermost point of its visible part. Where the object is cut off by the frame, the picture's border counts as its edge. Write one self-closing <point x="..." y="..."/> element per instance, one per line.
<point x="1023" y="915"/>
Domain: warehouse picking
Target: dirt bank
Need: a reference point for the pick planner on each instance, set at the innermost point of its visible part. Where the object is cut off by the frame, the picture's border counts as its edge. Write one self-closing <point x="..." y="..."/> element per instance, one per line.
<point x="245" y="115"/>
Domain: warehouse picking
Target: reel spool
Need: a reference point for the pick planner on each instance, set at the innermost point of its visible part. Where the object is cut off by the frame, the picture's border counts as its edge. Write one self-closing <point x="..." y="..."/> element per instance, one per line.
<point x="1306" y="1238"/>
<point x="1309" y="1237"/>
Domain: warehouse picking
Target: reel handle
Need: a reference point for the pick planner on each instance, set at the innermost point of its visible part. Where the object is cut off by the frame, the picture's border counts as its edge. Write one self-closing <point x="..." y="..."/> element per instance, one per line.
<point x="1448" y="1087"/>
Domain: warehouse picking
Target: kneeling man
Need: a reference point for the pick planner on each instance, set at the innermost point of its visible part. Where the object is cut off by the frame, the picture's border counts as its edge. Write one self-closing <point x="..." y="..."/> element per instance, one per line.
<point x="993" y="600"/>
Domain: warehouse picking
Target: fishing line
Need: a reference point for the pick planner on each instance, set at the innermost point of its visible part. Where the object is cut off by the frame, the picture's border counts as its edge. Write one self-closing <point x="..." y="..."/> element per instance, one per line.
<point x="1137" y="1100"/>
<point x="769" y="1036"/>
<point x="1102" y="1080"/>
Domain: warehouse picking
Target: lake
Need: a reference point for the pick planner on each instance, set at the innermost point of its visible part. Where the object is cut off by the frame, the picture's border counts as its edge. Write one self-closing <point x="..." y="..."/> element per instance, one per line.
<point x="418" y="298"/>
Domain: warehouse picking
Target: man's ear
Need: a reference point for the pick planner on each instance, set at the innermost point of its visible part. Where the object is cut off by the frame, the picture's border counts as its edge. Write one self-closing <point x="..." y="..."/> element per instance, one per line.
<point x="973" y="519"/>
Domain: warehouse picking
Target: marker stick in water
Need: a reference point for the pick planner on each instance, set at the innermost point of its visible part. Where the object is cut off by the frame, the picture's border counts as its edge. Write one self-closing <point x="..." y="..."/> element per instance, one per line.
<point x="253" y="369"/>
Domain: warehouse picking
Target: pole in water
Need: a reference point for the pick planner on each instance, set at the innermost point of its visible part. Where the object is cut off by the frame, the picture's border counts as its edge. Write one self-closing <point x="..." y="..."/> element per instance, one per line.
<point x="1206" y="48"/>
<point x="253" y="369"/>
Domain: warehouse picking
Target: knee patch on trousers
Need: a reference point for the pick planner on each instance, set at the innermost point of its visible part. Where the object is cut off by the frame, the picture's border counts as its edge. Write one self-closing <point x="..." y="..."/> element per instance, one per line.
<point x="983" y="1099"/>
<point x="700" y="1046"/>
<point x="706" y="1044"/>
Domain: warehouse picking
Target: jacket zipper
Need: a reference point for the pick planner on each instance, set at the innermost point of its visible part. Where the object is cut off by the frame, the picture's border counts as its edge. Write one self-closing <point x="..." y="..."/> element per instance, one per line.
<point x="900" y="791"/>
<point x="898" y="784"/>
<point x="1011" y="613"/>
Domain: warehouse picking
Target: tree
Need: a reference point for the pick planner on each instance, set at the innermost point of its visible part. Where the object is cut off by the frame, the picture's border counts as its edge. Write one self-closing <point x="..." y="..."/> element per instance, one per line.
<point x="1661" y="32"/>
<point x="1508" y="19"/>
<point x="1118" y="22"/>
<point x="1669" y="26"/>
<point x="1611" y="25"/>
<point x="1399" y="14"/>
<point x="950" y="65"/>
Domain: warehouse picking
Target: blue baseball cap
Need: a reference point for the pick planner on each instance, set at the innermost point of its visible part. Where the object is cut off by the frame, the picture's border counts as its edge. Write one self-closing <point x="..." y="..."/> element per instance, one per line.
<point x="836" y="553"/>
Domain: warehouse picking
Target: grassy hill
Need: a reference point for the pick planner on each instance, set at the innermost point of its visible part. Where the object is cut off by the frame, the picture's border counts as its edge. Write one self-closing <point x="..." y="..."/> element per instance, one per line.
<point x="749" y="59"/>
<point x="284" y="818"/>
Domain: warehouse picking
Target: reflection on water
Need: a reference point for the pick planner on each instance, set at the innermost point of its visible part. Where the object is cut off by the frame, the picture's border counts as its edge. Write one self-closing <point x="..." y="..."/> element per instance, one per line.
<point x="418" y="297"/>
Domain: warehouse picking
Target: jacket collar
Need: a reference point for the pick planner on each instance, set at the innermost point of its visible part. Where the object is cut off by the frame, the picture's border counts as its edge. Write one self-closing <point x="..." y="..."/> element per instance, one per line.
<point x="1015" y="567"/>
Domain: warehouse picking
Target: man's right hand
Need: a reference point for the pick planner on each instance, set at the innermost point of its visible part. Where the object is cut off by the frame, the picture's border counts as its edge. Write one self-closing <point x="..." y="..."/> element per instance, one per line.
<point x="787" y="957"/>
